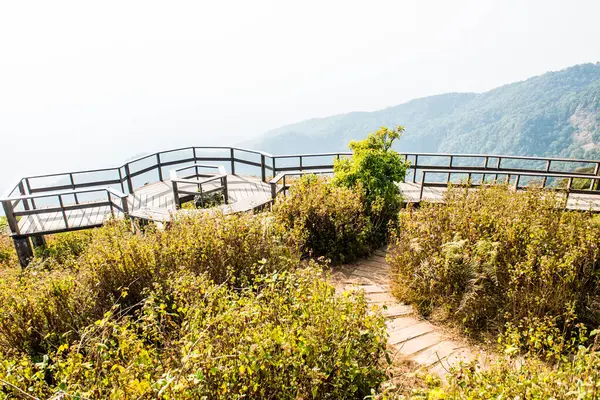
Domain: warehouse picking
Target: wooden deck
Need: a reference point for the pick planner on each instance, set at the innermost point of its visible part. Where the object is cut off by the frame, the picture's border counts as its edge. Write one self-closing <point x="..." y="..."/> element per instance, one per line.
<point x="152" y="202"/>
<point x="432" y="194"/>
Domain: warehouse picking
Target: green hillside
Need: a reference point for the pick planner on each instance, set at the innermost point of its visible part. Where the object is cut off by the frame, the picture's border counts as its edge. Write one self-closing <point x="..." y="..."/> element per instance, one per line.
<point x="557" y="113"/>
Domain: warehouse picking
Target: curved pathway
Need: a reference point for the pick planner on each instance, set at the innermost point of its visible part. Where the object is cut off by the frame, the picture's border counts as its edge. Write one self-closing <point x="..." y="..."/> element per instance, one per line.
<point x="412" y="337"/>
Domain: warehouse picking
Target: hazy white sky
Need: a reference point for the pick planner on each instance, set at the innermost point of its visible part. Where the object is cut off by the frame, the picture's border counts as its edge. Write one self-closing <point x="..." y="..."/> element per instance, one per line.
<point x="88" y="84"/>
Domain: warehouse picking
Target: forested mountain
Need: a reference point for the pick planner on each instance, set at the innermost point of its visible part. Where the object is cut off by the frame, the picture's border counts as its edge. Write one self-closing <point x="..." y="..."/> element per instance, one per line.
<point x="557" y="113"/>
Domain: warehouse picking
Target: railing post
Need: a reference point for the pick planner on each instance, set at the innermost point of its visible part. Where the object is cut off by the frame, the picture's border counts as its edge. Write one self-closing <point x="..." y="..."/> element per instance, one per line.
<point x="125" y="205"/>
<point x="111" y="205"/>
<point x="262" y="168"/>
<point x="121" y="179"/>
<point x="274" y="168"/>
<point x="300" y="163"/>
<point x="64" y="213"/>
<point x="29" y="192"/>
<point x="569" y="184"/>
<point x="175" y="195"/>
<point x="449" y="166"/>
<point x="517" y="182"/>
<point x="487" y="159"/>
<point x="497" y="168"/>
<point x="232" y="156"/>
<point x="24" y="249"/>
<point x="415" y="169"/>
<point x="273" y="189"/>
<point x="22" y="191"/>
<point x="10" y="217"/>
<point x="422" y="185"/>
<point x="225" y="193"/>
<point x="597" y="173"/>
<point x="73" y="187"/>
<point x="160" y="176"/>
<point x="548" y="162"/>
<point x="128" y="177"/>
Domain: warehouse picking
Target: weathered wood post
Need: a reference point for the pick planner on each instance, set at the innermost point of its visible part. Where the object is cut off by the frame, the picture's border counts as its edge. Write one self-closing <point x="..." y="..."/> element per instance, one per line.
<point x="274" y="168"/>
<point x="415" y="168"/>
<point x="128" y="177"/>
<point x="73" y="187"/>
<point x="24" y="249"/>
<point x="225" y="193"/>
<point x="544" y="180"/>
<point x="176" y="195"/>
<point x="22" y="244"/>
<point x="422" y="185"/>
<point x="273" y="189"/>
<point x="160" y="175"/>
<point x="22" y="191"/>
<point x="262" y="168"/>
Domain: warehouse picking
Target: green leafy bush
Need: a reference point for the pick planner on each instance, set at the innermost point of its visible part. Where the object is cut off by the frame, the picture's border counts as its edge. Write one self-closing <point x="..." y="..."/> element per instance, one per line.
<point x="493" y="259"/>
<point x="325" y="220"/>
<point x="288" y="336"/>
<point x="375" y="168"/>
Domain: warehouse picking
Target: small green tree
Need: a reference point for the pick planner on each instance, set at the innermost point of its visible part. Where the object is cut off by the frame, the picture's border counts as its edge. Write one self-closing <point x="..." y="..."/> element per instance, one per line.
<point x="375" y="168"/>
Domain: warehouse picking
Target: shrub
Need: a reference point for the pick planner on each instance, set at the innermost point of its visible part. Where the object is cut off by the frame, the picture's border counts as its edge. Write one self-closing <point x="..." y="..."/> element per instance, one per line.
<point x="286" y="337"/>
<point x="375" y="168"/>
<point x="325" y="220"/>
<point x="576" y="378"/>
<point x="8" y="256"/>
<point x="492" y="256"/>
<point x="65" y="247"/>
<point x="42" y="309"/>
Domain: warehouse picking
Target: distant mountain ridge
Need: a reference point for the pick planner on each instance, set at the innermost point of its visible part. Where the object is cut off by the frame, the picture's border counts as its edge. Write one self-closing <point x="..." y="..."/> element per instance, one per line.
<point x="554" y="114"/>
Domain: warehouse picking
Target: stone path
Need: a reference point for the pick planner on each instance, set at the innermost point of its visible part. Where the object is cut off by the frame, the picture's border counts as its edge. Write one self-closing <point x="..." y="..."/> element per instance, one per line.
<point x="411" y="337"/>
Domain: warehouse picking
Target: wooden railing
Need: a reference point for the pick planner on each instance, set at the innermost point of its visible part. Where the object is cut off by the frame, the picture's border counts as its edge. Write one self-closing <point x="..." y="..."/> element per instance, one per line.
<point x="219" y="175"/>
<point x="282" y="177"/>
<point x="593" y="188"/>
<point x="497" y="163"/>
<point x="112" y="198"/>
<point x="136" y="173"/>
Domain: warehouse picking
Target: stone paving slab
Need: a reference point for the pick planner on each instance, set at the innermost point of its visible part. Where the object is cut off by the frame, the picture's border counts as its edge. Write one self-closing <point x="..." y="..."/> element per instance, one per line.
<point x="412" y="337"/>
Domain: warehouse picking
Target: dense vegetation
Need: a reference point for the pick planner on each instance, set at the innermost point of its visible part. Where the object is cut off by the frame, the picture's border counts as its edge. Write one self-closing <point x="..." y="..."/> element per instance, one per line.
<point x="554" y="114"/>
<point x="375" y="168"/>
<point x="239" y="306"/>
<point x="496" y="261"/>
<point x="348" y="217"/>
<point x="213" y="306"/>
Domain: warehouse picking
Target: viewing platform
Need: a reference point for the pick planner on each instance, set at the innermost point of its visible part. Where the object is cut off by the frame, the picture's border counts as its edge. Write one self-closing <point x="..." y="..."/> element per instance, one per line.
<point x="153" y="187"/>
